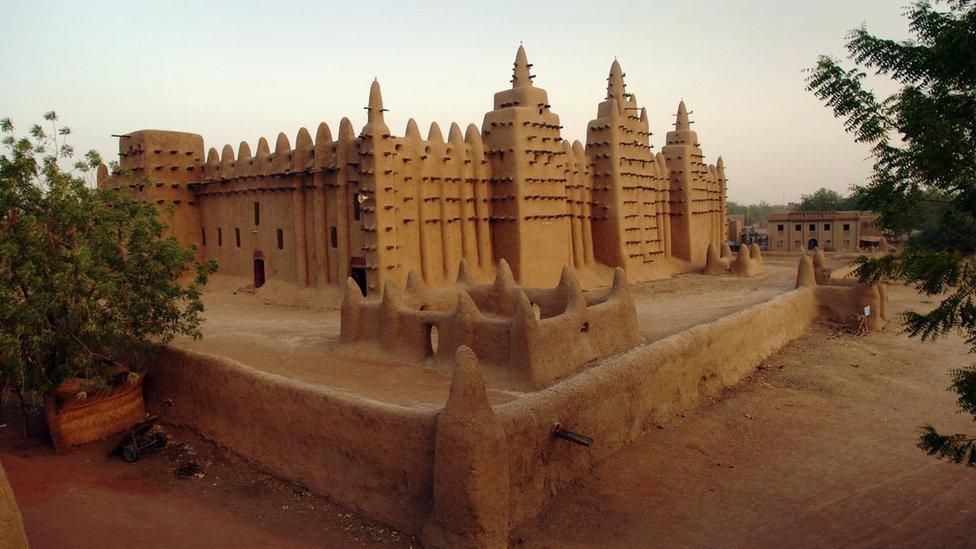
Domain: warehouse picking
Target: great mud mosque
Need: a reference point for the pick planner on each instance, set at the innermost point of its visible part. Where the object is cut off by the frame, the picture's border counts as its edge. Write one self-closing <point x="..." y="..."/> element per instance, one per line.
<point x="375" y="206"/>
<point x="489" y="348"/>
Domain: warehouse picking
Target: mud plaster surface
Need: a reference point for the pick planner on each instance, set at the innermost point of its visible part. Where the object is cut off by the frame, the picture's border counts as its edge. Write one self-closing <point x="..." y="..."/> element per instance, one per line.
<point x="297" y="342"/>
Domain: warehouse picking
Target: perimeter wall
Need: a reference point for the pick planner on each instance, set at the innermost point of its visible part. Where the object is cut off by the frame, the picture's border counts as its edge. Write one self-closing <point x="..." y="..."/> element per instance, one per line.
<point x="379" y="458"/>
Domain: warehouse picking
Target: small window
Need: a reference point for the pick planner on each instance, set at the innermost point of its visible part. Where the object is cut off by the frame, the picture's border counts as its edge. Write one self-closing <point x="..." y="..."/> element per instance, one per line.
<point x="797" y="228"/>
<point x="334" y="236"/>
<point x="281" y="239"/>
<point x="826" y="226"/>
<point x="257" y="214"/>
<point x="237" y="236"/>
<point x="356" y="207"/>
<point x="203" y="236"/>
<point x="780" y="228"/>
<point x="813" y="227"/>
<point x="847" y="226"/>
<point x="220" y="237"/>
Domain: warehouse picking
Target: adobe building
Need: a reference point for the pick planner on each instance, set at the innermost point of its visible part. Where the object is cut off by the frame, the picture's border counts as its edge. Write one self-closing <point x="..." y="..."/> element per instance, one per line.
<point x="830" y="231"/>
<point x="374" y="206"/>
<point x="736" y="224"/>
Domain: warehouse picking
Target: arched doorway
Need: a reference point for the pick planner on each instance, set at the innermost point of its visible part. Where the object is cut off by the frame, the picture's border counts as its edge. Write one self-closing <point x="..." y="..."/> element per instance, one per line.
<point x="813" y="244"/>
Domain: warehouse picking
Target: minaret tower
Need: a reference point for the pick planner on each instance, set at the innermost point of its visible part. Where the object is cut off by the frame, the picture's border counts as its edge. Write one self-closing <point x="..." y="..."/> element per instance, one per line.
<point x="530" y="221"/>
<point x="379" y="210"/>
<point x="628" y="221"/>
<point x="683" y="155"/>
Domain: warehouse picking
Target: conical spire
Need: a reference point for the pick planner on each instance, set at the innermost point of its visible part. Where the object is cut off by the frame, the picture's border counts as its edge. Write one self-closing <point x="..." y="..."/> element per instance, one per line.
<point x="454" y="136"/>
<point x="282" y="146"/>
<point x="472" y="136"/>
<point x="503" y="275"/>
<point x="415" y="285"/>
<point x="323" y="135"/>
<point x="434" y="133"/>
<point x="615" y="83"/>
<point x="464" y="276"/>
<point x="682" y="122"/>
<point x="346" y="132"/>
<point x="375" y="107"/>
<point x="244" y="151"/>
<point x="263" y="149"/>
<point x="375" y="125"/>
<point x="303" y="141"/>
<point x="412" y="131"/>
<point x="521" y="77"/>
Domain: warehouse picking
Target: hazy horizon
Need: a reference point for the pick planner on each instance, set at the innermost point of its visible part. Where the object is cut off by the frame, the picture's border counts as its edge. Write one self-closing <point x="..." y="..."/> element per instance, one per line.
<point x="240" y="71"/>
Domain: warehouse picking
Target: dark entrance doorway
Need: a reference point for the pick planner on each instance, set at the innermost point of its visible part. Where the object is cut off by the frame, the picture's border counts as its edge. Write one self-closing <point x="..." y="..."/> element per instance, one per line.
<point x="357" y="270"/>
<point x="813" y="244"/>
<point x="258" y="273"/>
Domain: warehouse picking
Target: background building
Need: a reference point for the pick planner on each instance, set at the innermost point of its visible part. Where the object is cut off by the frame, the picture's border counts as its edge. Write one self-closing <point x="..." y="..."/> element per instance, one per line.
<point x="829" y="231"/>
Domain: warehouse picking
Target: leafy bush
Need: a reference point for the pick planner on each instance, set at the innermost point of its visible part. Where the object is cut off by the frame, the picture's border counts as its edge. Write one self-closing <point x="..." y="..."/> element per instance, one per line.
<point x="85" y="274"/>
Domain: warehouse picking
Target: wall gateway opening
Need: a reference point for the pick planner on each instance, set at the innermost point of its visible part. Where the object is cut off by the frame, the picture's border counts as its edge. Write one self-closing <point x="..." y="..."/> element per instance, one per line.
<point x="258" y="272"/>
<point x="813" y="244"/>
<point x="357" y="271"/>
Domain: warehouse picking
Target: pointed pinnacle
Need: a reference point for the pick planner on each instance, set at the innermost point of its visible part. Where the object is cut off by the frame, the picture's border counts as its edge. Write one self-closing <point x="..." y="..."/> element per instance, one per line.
<point x="521" y="77"/>
<point x="682" y="122"/>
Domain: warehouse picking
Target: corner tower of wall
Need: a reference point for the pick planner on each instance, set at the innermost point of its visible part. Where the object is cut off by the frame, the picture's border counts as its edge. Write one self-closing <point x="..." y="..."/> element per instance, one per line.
<point x="159" y="167"/>
<point x="530" y="221"/>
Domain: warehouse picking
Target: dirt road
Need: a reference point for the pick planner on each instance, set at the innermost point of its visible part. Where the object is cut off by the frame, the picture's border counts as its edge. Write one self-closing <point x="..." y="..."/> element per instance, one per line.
<point x="817" y="449"/>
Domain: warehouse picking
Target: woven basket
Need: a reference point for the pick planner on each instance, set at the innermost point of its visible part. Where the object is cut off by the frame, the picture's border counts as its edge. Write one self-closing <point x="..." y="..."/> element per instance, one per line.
<point x="75" y="422"/>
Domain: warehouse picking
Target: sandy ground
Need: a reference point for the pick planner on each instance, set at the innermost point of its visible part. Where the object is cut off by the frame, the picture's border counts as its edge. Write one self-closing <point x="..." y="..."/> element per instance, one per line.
<point x="816" y="449"/>
<point x="296" y="342"/>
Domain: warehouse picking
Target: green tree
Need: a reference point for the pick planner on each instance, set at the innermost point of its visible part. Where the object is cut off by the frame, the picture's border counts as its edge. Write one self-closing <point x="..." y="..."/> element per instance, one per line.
<point x="923" y="143"/>
<point x="84" y="273"/>
<point x="751" y="213"/>
<point x="825" y="200"/>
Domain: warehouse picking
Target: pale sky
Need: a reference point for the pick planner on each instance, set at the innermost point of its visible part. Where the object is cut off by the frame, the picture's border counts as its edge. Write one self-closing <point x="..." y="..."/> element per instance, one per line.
<point x="240" y="70"/>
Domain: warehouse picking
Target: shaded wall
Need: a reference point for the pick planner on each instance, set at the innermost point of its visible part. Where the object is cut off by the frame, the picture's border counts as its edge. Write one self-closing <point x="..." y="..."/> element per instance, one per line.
<point x="305" y="433"/>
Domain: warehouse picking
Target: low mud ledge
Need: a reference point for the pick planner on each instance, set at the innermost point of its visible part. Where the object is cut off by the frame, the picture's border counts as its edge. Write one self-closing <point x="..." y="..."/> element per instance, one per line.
<point x="379" y="458"/>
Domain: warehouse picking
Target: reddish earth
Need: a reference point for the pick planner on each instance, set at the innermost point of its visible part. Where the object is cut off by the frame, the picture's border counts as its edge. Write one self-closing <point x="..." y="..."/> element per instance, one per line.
<point x="817" y="448"/>
<point x="85" y="499"/>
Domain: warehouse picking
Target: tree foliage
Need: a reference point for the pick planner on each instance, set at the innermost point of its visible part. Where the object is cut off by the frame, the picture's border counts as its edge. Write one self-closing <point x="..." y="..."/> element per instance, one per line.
<point x="923" y="143"/>
<point x="826" y="200"/>
<point x="752" y="213"/>
<point x="84" y="272"/>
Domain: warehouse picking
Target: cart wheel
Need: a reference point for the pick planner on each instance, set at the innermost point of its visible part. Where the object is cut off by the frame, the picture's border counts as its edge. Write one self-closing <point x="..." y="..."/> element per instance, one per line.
<point x="158" y="439"/>
<point x="130" y="453"/>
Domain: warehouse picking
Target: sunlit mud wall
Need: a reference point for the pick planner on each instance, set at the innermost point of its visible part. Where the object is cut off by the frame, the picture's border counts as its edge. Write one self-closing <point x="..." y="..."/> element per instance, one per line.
<point x="375" y="205"/>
